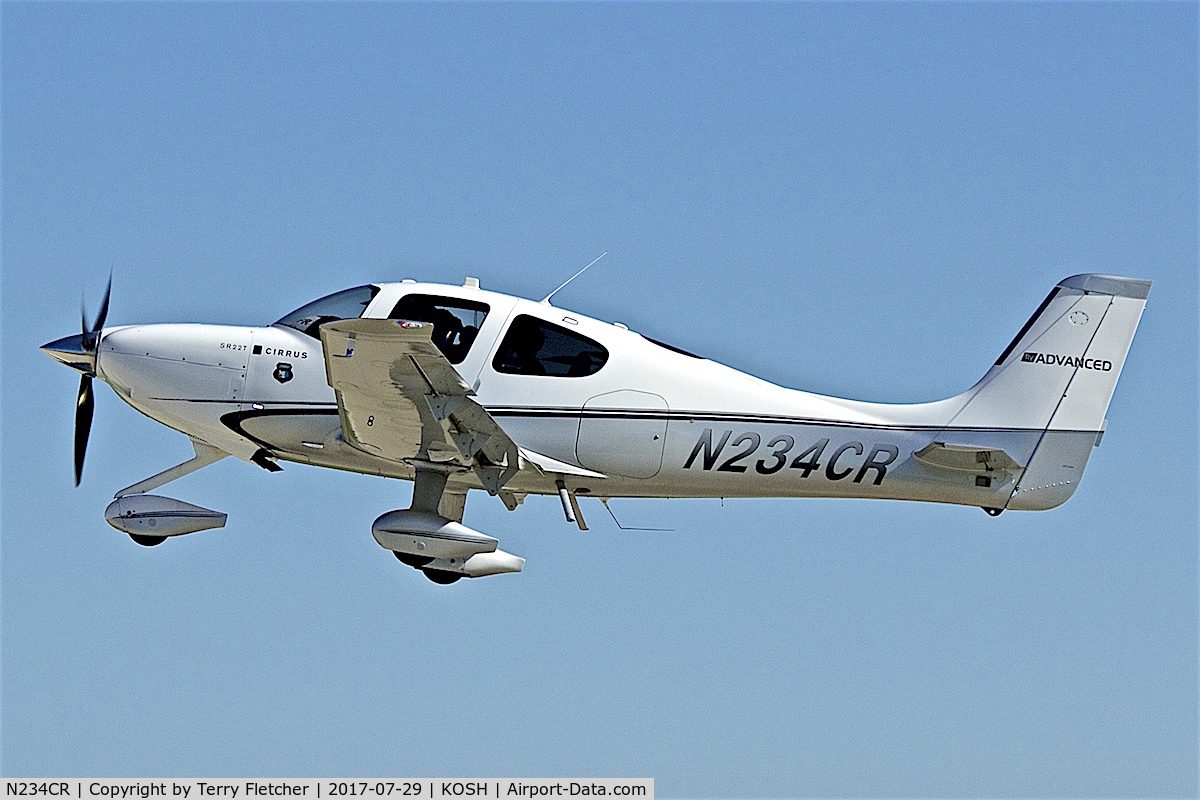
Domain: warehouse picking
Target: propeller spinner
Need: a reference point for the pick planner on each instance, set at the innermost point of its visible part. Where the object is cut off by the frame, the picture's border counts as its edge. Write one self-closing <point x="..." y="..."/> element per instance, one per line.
<point x="80" y="353"/>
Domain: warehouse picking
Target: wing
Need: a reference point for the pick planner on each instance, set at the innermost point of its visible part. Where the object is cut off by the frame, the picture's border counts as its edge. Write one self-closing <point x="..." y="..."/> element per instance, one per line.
<point x="400" y="399"/>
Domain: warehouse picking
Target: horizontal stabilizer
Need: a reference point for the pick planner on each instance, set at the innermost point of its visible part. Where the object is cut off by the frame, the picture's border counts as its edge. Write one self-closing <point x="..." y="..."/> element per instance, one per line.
<point x="965" y="458"/>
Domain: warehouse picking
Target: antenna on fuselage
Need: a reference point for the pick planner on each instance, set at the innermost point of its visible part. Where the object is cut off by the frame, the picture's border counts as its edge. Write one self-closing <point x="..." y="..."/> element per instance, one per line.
<point x="605" y="500"/>
<point x="546" y="299"/>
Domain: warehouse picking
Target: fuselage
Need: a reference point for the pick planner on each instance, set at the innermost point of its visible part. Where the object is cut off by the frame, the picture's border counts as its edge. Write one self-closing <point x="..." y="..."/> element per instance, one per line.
<point x="652" y="420"/>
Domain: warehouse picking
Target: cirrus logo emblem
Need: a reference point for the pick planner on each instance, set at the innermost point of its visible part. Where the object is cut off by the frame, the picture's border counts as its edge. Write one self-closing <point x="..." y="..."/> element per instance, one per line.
<point x="283" y="372"/>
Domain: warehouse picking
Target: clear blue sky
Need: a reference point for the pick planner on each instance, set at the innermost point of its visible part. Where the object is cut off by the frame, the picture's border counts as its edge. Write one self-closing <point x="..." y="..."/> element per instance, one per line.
<point x="857" y="199"/>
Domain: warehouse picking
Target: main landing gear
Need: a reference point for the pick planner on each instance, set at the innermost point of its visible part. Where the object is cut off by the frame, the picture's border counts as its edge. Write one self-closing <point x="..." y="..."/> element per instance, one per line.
<point x="430" y="537"/>
<point x="439" y="576"/>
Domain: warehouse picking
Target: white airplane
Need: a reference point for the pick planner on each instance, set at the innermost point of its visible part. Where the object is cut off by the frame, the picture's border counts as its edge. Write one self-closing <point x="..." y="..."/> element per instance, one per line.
<point x="457" y="388"/>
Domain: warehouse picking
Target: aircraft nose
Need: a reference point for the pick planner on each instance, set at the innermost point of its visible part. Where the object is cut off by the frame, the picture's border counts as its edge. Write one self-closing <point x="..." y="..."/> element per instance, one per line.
<point x="69" y="350"/>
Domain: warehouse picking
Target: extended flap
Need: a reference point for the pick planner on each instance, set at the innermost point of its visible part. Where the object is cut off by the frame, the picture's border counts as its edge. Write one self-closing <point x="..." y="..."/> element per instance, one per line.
<point x="400" y="398"/>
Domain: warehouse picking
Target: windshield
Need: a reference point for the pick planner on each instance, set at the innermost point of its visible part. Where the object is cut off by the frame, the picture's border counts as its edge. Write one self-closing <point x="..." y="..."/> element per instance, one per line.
<point x="346" y="304"/>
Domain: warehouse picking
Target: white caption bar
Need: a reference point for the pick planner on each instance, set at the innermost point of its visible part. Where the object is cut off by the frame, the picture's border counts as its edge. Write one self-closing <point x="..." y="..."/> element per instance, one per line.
<point x="322" y="788"/>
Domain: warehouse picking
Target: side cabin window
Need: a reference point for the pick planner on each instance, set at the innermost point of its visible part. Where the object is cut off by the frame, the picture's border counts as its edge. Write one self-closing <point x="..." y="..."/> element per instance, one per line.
<point x="535" y="347"/>
<point x="346" y="304"/>
<point x="455" y="322"/>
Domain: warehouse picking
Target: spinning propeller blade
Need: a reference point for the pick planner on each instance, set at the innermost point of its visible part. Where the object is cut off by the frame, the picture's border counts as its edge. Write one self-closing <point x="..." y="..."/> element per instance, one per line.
<point x="85" y="403"/>
<point x="84" y="406"/>
<point x="91" y="335"/>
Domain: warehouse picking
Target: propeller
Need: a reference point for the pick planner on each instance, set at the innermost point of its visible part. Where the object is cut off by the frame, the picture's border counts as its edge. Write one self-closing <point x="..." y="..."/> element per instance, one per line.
<point x="85" y="402"/>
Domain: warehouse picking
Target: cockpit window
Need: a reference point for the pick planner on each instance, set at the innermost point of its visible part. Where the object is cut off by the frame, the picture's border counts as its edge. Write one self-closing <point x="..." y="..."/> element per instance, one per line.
<point x="535" y="347"/>
<point x="347" y="304"/>
<point x="456" y="322"/>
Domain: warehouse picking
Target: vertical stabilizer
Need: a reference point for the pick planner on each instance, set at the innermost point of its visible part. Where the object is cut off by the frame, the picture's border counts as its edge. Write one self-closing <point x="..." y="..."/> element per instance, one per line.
<point x="1058" y="376"/>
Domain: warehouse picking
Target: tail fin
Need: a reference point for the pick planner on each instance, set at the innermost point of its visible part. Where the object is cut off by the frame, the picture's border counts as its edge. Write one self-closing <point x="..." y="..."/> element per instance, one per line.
<point x="1057" y="376"/>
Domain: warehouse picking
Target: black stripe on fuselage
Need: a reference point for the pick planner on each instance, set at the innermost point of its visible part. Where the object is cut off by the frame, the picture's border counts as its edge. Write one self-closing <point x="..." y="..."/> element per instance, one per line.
<point x="234" y="419"/>
<point x="534" y="412"/>
<point x="312" y="404"/>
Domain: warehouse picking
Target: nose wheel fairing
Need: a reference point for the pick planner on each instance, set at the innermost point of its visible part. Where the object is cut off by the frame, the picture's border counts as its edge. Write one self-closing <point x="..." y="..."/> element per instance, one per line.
<point x="153" y="516"/>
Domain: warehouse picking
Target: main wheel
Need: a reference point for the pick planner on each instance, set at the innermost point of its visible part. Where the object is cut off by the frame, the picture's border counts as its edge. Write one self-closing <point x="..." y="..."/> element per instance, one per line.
<point x="413" y="561"/>
<point x="993" y="512"/>
<point x="441" y="576"/>
<point x="147" y="541"/>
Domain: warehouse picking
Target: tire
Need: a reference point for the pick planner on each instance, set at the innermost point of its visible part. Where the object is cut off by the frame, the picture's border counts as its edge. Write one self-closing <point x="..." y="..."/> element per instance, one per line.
<point x="442" y="577"/>
<point x="416" y="562"/>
